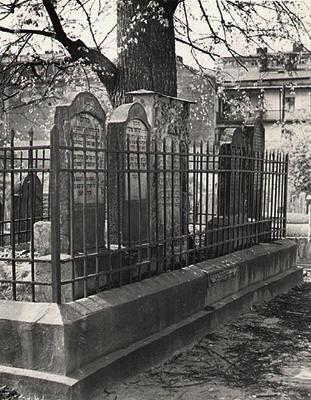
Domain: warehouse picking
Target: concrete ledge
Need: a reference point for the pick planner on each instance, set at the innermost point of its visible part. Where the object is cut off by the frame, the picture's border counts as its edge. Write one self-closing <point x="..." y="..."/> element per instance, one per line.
<point x="95" y="342"/>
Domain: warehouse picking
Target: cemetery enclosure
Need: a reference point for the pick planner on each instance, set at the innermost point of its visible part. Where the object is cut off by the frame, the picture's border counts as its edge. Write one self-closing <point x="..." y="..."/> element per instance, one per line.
<point x="122" y="212"/>
<point x="89" y="217"/>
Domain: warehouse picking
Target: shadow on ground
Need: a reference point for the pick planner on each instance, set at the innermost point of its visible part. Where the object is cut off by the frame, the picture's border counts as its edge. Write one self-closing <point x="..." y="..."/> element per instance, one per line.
<point x="263" y="354"/>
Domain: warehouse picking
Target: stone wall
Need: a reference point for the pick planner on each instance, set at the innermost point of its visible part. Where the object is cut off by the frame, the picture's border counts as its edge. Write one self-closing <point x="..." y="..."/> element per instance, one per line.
<point x="73" y="351"/>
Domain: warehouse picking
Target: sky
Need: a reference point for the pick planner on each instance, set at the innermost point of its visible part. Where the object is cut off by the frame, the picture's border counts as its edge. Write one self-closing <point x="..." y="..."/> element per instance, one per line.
<point x="103" y="17"/>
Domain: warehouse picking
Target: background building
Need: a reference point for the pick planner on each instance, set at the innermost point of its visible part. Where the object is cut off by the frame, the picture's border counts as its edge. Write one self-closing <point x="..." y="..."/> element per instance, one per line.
<point x="277" y="85"/>
<point x="34" y="106"/>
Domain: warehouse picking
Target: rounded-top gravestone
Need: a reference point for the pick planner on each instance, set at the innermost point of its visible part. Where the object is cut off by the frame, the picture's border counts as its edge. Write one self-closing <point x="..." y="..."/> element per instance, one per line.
<point x="129" y="142"/>
<point x="80" y="130"/>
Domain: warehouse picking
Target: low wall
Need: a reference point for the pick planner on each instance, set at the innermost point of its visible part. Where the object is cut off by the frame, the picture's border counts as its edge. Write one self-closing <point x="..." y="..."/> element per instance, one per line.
<point x="71" y="351"/>
<point x="303" y="249"/>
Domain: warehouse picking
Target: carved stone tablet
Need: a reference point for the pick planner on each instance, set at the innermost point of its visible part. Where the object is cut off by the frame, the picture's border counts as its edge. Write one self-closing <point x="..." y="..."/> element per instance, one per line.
<point x="128" y="140"/>
<point x="81" y="130"/>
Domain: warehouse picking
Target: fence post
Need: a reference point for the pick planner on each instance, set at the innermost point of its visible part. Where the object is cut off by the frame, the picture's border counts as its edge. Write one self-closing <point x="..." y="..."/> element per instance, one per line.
<point x="30" y="221"/>
<point x="55" y="216"/>
<point x="285" y="194"/>
<point x="12" y="216"/>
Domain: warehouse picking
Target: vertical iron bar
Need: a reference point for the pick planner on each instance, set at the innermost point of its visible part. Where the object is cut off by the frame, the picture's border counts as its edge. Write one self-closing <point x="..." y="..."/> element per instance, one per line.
<point x="32" y="198"/>
<point x="201" y="200"/>
<point x="233" y="230"/>
<point x="270" y="203"/>
<point x="129" y="220"/>
<point x="285" y="194"/>
<point x="109" y="151"/>
<point x="187" y="199"/>
<point x="22" y="220"/>
<point x="149" y="178"/>
<point x="172" y="202"/>
<point x="97" y="233"/>
<point x="55" y="217"/>
<point x="156" y="193"/>
<point x="277" y="194"/>
<point x="140" y="208"/>
<point x="165" y="262"/>
<point x="13" y="217"/>
<point x="274" y="183"/>
<point x="71" y="179"/>
<point x="213" y="236"/>
<point x="240" y="199"/>
<point x="264" y="206"/>
<point x="120" y="157"/>
<point x="195" y="188"/>
<point x="85" y="279"/>
<point x="182" y="205"/>
<point x="5" y="155"/>
<point x="206" y="172"/>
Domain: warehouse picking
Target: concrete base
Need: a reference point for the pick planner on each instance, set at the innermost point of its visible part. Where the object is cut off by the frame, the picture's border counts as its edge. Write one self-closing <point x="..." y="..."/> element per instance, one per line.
<point x="74" y="351"/>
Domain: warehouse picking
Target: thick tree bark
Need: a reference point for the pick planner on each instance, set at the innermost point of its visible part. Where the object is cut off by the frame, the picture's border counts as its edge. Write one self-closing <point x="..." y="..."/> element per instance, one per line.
<point x="146" y="42"/>
<point x="146" y="45"/>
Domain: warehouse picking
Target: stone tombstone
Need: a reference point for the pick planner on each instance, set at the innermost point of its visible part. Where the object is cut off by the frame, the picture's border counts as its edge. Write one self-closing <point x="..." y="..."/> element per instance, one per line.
<point x="167" y="115"/>
<point x="254" y="132"/>
<point x="81" y="125"/>
<point x="28" y="203"/>
<point x="232" y="135"/>
<point x="128" y="134"/>
<point x="169" y="119"/>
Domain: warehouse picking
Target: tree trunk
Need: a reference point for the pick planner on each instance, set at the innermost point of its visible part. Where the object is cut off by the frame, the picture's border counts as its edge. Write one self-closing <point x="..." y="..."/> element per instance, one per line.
<point x="146" y="44"/>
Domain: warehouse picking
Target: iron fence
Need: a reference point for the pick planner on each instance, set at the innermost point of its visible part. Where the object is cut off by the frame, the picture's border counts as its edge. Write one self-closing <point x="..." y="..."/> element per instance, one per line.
<point x="123" y="212"/>
<point x="24" y="200"/>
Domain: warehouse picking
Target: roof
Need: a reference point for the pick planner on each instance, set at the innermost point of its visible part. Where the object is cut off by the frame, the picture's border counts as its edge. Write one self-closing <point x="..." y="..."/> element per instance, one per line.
<point x="239" y="74"/>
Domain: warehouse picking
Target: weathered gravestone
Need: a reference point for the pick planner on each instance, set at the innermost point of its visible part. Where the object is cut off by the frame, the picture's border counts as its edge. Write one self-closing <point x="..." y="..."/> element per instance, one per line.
<point x="168" y="118"/>
<point x="255" y="134"/>
<point x="240" y="191"/>
<point x="81" y="132"/>
<point x="129" y="142"/>
<point x="146" y="185"/>
<point x="28" y="205"/>
<point x="232" y="193"/>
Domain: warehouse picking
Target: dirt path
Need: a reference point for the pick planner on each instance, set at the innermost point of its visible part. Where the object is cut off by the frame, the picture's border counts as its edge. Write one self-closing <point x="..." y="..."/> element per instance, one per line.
<point x="265" y="354"/>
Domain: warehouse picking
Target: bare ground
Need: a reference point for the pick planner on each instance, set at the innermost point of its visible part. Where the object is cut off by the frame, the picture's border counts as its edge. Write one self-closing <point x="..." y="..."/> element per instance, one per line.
<point x="265" y="354"/>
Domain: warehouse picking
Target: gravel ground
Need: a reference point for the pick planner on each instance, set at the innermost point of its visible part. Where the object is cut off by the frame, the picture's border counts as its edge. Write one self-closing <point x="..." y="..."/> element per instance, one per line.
<point x="265" y="354"/>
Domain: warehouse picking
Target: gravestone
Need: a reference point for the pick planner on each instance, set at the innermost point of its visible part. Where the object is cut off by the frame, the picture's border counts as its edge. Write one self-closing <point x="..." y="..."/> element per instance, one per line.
<point x="255" y="133"/>
<point x="169" y="120"/>
<point x="148" y="207"/>
<point x="28" y="205"/>
<point x="232" y="193"/>
<point x="168" y="189"/>
<point x="129" y="142"/>
<point x="81" y="131"/>
<point x="240" y="194"/>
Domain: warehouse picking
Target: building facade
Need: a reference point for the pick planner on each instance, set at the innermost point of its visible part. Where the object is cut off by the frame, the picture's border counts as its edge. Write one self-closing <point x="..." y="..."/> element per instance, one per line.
<point x="276" y="85"/>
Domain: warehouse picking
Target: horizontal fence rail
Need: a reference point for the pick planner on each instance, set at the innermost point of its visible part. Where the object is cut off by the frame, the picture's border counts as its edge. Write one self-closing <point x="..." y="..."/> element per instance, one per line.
<point x="118" y="213"/>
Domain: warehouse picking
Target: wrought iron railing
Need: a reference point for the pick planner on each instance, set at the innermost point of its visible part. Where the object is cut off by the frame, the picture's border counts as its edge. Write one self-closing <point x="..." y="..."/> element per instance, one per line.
<point x="122" y="214"/>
